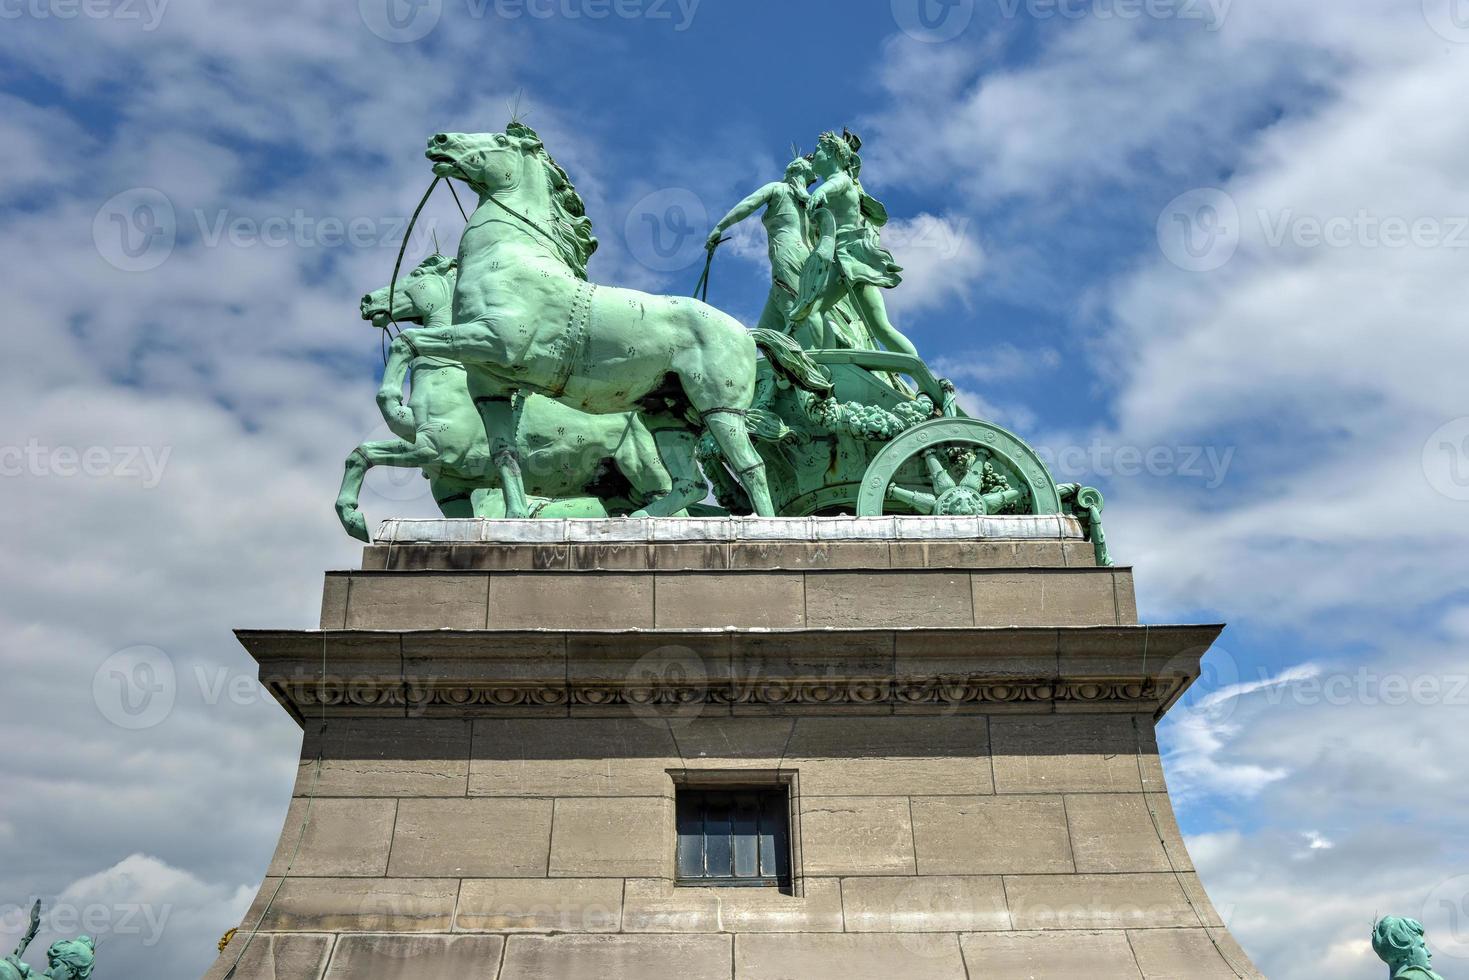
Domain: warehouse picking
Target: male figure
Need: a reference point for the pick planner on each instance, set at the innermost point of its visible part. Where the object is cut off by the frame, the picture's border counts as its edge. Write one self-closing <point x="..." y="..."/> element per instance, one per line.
<point x="848" y="261"/>
<point x="1399" y="943"/>
<point x="788" y="235"/>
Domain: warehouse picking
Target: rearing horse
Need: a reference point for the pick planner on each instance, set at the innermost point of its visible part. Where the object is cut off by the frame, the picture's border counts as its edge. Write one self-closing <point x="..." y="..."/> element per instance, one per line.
<point x="525" y="313"/>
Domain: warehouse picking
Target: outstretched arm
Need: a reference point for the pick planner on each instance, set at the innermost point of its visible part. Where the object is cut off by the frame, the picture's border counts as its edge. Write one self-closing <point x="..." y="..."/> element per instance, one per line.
<point x="740" y="212"/>
<point x="390" y="393"/>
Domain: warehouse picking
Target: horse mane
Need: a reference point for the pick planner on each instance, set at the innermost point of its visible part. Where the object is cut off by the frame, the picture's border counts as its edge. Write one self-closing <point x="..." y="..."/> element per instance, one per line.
<point x="570" y="225"/>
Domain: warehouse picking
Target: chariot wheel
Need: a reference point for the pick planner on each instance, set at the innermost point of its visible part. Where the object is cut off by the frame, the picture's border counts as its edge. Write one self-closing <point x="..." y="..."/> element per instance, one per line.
<point x="957" y="466"/>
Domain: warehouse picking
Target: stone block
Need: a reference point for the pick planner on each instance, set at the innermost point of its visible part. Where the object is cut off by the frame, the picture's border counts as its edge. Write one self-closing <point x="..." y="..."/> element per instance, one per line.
<point x="344" y="837"/>
<point x="856" y="835"/>
<point x="1051" y="955"/>
<point x="273" y="956"/>
<point x="894" y="756"/>
<point x="716" y="742"/>
<point x="357" y="905"/>
<point x="774" y="658"/>
<point x="539" y="905"/>
<point x="472" y="838"/>
<point x="627" y="756"/>
<point x="612" y="838"/>
<point x="1114" y="832"/>
<point x="445" y="658"/>
<point x="994" y="655"/>
<point x="871" y="956"/>
<point x="983" y="835"/>
<point x="1203" y="906"/>
<point x="948" y="903"/>
<point x="1044" y="597"/>
<point x="648" y="661"/>
<point x="1098" y="901"/>
<point x="1179" y="954"/>
<point x="1166" y="825"/>
<point x="1065" y="754"/>
<point x="750" y="600"/>
<point x="658" y="905"/>
<point x="334" y="600"/>
<point x="417" y="601"/>
<point x="854" y="600"/>
<point x="415" y="957"/>
<point x="581" y="600"/>
<point x="387" y="757"/>
<point x="698" y="556"/>
<point x="610" y="556"/>
<point x="617" y="958"/>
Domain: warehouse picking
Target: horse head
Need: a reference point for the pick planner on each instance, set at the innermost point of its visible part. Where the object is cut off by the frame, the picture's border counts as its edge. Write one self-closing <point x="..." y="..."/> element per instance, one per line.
<point x="515" y="166"/>
<point x="417" y="296"/>
<point x="488" y="162"/>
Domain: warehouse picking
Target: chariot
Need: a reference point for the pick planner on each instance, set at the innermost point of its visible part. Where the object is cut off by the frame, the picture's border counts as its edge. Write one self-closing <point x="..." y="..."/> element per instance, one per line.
<point x="891" y="439"/>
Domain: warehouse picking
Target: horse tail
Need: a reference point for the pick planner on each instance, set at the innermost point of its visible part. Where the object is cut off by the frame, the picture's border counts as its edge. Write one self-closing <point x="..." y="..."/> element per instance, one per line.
<point x="788" y="359"/>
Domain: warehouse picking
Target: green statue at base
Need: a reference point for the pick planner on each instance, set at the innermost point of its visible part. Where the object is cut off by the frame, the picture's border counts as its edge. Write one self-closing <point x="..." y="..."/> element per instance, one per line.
<point x="1399" y="943"/>
<point x="66" y="959"/>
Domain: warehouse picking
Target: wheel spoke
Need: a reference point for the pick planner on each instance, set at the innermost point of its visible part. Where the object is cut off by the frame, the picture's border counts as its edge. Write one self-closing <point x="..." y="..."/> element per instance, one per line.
<point x="974" y="474"/>
<point x="922" y="503"/>
<point x="938" y="477"/>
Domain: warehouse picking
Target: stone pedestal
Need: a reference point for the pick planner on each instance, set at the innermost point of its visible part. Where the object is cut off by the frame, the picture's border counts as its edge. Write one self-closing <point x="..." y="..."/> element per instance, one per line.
<point x="499" y="715"/>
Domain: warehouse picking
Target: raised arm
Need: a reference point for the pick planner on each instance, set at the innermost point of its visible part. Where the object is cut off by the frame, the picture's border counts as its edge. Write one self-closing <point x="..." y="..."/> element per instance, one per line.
<point x="740" y="212"/>
<point x="390" y="393"/>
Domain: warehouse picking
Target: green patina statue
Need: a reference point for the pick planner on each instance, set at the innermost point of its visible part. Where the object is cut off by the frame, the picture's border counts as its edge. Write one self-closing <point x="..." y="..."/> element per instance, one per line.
<point x="1399" y="943"/>
<point x="848" y="260"/>
<point x="526" y="316"/>
<point x="66" y="959"/>
<point x="573" y="464"/>
<point x="535" y="393"/>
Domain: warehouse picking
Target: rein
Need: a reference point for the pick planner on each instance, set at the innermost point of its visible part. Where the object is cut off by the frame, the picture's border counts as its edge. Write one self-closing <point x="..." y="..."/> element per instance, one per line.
<point x="701" y="289"/>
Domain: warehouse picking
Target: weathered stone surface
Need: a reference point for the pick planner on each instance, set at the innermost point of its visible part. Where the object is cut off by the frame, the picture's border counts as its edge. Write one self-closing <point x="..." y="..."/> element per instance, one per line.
<point x="651" y="661"/>
<point x="870" y="956"/>
<point x="843" y="756"/>
<point x="272" y="956"/>
<point x="750" y="600"/>
<point x="446" y="658"/>
<point x="558" y="600"/>
<point x="357" y="905"/>
<point x="1114" y="832"/>
<point x="415" y="957"/>
<point x="1070" y="754"/>
<point x="856" y="835"/>
<point x="1203" y="906"/>
<point x="1098" y="901"/>
<point x="334" y="600"/>
<point x="1049" y="597"/>
<point x="627" y="756"/>
<point x="539" y="905"/>
<point x="887" y="599"/>
<point x="612" y="838"/>
<point x="998" y="655"/>
<point x="1166" y="824"/>
<point x="387" y="757"/>
<point x="343" y="838"/>
<point x="658" y="905"/>
<point x="1163" y="954"/>
<point x="617" y="958"/>
<point x="1052" y="956"/>
<point x="723" y="742"/>
<point x="979" y="835"/>
<point x="417" y="600"/>
<point x="945" y="903"/>
<point x="481" y="837"/>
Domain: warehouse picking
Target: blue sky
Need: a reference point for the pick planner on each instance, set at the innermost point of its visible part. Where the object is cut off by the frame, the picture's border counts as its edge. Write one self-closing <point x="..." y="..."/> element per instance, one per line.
<point x="1213" y="257"/>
